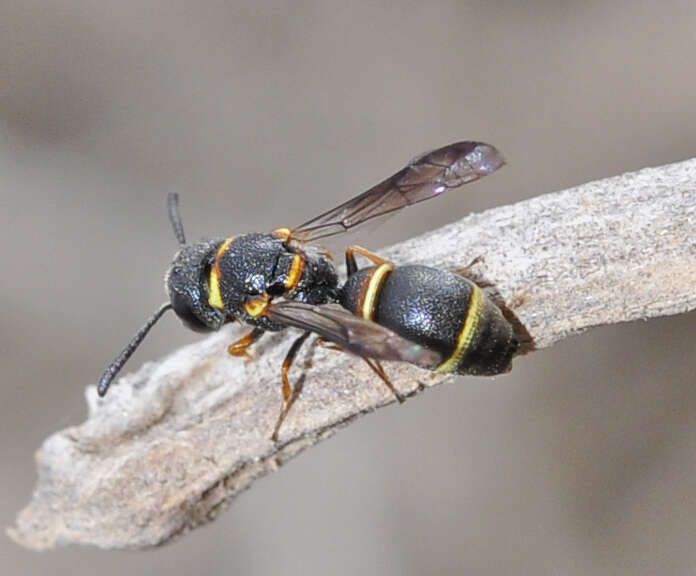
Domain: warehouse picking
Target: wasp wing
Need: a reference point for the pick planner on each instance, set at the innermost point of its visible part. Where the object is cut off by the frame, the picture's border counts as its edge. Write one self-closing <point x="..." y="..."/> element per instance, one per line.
<point x="425" y="177"/>
<point x="361" y="337"/>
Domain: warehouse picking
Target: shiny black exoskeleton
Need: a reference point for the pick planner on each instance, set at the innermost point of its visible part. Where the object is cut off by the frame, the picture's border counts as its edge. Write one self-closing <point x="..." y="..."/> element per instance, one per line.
<point x="441" y="310"/>
<point x="420" y="315"/>
<point x="241" y="270"/>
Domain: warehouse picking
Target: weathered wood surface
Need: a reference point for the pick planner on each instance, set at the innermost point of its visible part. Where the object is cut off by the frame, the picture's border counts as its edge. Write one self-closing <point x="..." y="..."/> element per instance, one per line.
<point x="175" y="441"/>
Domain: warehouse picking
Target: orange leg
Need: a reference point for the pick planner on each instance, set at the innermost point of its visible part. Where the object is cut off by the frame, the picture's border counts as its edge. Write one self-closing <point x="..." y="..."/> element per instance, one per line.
<point x="324" y="343"/>
<point x="290" y="393"/>
<point x="377" y="368"/>
<point x="352" y="265"/>
<point x="241" y="347"/>
<point x="374" y="364"/>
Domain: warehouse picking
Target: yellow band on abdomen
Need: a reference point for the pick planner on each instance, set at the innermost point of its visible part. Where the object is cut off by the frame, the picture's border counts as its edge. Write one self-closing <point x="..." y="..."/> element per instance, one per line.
<point x="374" y="284"/>
<point x="466" y="334"/>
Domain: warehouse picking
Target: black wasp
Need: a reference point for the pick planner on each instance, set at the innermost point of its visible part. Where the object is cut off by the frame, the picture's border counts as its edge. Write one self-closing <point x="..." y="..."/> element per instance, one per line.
<point x="435" y="318"/>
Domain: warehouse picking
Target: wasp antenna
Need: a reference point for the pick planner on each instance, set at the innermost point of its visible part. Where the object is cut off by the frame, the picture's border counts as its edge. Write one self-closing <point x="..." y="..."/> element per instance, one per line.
<point x="113" y="369"/>
<point x="175" y="218"/>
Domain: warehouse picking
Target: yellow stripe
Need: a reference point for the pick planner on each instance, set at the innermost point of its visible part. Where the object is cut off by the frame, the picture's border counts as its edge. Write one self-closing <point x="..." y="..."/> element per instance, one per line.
<point x="215" y="297"/>
<point x="282" y="233"/>
<point x="257" y="306"/>
<point x="224" y="246"/>
<point x="473" y="315"/>
<point x="374" y="284"/>
<point x="295" y="273"/>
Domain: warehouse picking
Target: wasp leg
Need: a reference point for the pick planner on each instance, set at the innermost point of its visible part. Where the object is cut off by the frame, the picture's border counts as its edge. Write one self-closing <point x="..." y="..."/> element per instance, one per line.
<point x="352" y="265"/>
<point x="377" y="369"/>
<point x="241" y="347"/>
<point x="374" y="364"/>
<point x="473" y="276"/>
<point x="466" y="270"/>
<point x="324" y="343"/>
<point x="290" y="393"/>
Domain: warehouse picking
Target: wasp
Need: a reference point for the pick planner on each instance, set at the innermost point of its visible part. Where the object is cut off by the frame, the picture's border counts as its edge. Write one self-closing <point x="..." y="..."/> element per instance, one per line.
<point x="435" y="318"/>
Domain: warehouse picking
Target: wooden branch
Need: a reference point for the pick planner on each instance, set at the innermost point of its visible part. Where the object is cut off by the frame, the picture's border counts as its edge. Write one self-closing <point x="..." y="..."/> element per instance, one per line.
<point x="177" y="440"/>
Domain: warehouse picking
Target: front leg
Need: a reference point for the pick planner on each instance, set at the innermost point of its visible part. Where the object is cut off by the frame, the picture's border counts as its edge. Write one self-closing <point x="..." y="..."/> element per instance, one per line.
<point x="241" y="347"/>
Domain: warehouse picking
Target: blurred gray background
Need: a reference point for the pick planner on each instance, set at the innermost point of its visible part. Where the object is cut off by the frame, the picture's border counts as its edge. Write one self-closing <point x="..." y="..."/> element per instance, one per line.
<point x="262" y="114"/>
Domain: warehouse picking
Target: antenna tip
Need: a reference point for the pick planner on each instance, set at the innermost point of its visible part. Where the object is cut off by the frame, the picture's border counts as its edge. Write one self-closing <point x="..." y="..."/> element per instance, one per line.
<point x="174" y="217"/>
<point x="103" y="386"/>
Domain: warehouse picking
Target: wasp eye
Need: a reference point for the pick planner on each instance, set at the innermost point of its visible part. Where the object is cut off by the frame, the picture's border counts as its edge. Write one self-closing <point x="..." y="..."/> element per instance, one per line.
<point x="182" y="308"/>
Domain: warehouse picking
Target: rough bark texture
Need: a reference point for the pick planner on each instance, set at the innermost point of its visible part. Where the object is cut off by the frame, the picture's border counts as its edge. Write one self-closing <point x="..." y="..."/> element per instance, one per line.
<point x="174" y="442"/>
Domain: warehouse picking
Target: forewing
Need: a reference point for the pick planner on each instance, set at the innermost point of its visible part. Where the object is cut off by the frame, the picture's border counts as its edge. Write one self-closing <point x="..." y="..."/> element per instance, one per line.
<point x="354" y="334"/>
<point x="425" y="177"/>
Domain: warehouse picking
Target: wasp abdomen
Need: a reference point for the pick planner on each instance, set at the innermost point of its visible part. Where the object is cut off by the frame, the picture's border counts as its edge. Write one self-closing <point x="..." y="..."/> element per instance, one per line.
<point x="438" y="309"/>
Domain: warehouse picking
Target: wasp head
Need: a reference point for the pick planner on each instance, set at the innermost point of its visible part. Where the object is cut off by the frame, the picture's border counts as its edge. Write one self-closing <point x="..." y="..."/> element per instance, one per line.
<point x="187" y="285"/>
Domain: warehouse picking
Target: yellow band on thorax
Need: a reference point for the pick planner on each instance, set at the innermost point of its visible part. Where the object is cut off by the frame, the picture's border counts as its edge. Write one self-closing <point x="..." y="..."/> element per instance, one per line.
<point x="466" y="334"/>
<point x="214" y="294"/>
<point x="295" y="272"/>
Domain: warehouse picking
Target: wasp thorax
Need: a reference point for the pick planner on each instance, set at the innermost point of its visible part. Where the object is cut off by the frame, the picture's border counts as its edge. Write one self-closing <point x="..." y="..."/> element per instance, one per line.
<point x="187" y="284"/>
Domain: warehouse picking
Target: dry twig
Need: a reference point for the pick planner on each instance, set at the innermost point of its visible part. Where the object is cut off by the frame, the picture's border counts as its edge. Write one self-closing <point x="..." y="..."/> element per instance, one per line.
<point x="176" y="440"/>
